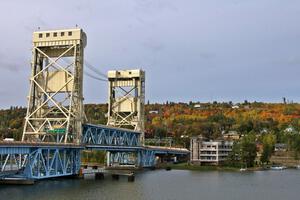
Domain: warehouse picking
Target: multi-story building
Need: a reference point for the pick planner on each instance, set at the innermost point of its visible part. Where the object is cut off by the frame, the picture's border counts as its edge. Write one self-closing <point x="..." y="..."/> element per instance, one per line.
<point x="209" y="152"/>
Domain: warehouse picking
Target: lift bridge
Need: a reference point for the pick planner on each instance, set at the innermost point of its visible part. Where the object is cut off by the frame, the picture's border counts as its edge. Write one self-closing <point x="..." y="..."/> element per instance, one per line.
<point x="56" y="130"/>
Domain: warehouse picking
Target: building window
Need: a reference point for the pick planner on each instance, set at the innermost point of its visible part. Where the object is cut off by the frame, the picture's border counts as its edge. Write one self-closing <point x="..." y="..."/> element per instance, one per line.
<point x="70" y="33"/>
<point x="47" y="34"/>
<point x="62" y="34"/>
<point x="55" y="34"/>
<point x="40" y="35"/>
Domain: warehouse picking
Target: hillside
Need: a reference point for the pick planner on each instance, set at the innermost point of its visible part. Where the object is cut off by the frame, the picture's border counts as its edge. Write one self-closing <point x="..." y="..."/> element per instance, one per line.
<point x="187" y="119"/>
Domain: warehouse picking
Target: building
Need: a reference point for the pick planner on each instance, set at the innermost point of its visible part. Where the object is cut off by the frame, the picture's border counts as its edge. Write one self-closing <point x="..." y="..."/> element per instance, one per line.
<point x="153" y="112"/>
<point x="289" y="129"/>
<point x="197" y="106"/>
<point x="280" y="147"/>
<point x="231" y="135"/>
<point x="209" y="152"/>
<point x="235" y="107"/>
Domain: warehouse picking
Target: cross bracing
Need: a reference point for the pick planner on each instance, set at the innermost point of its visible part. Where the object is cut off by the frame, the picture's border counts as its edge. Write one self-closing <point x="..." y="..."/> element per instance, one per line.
<point x="104" y="135"/>
<point x="39" y="162"/>
<point x="126" y="99"/>
<point x="55" y="96"/>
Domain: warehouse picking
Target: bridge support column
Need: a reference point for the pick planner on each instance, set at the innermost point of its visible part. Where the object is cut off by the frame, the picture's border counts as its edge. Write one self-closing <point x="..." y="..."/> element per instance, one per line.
<point x="108" y="159"/>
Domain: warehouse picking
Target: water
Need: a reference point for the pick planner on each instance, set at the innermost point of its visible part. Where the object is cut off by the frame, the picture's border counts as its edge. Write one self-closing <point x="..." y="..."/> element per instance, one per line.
<point x="167" y="185"/>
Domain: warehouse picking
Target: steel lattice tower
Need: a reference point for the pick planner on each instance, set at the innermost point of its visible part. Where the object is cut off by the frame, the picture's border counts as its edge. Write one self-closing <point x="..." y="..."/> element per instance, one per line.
<point x="126" y="99"/>
<point x="55" y="102"/>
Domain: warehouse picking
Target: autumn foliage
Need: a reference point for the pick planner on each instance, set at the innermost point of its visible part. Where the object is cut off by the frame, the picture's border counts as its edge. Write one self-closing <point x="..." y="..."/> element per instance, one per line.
<point x="186" y="119"/>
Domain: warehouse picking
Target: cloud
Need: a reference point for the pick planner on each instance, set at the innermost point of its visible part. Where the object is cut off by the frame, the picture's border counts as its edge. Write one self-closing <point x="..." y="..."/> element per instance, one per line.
<point x="14" y="67"/>
<point x="294" y="61"/>
<point x="8" y="63"/>
<point x="150" y="6"/>
<point x="211" y="45"/>
<point x="207" y="55"/>
<point x="153" y="45"/>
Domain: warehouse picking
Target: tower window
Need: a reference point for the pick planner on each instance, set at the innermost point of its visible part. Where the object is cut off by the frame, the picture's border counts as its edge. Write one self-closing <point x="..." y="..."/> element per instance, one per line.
<point x="47" y="34"/>
<point x="40" y="35"/>
<point x="62" y="34"/>
<point x="70" y="33"/>
<point x="55" y="34"/>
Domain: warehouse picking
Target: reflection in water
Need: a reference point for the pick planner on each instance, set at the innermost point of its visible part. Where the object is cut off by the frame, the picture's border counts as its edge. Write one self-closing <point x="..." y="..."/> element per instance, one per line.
<point x="161" y="184"/>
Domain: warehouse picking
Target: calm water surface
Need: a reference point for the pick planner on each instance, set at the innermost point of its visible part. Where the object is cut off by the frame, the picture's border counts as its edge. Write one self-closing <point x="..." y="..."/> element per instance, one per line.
<point x="161" y="184"/>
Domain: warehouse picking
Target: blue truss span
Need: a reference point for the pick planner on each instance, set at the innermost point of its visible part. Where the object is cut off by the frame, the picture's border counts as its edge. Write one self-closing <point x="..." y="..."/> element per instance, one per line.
<point x="52" y="162"/>
<point x="109" y="136"/>
<point x="39" y="161"/>
<point x="46" y="160"/>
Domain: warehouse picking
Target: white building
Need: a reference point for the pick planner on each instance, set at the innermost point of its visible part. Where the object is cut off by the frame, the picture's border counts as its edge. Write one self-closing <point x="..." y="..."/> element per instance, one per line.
<point x="209" y="152"/>
<point x="153" y="112"/>
<point x="197" y="106"/>
<point x="235" y="107"/>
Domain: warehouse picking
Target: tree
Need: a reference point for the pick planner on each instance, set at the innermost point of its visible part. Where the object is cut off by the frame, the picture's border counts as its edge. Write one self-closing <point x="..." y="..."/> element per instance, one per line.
<point x="248" y="151"/>
<point x="296" y="145"/>
<point x="234" y="158"/>
<point x="268" y="142"/>
<point x="244" y="152"/>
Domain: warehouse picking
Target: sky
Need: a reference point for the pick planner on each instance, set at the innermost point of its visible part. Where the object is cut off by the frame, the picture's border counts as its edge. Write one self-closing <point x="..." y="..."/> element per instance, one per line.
<point x="191" y="50"/>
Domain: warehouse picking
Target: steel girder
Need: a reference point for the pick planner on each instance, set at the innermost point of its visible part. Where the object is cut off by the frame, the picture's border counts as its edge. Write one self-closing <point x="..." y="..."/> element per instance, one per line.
<point x="103" y="135"/>
<point x="146" y="158"/>
<point x="40" y="162"/>
<point x="122" y="158"/>
<point x="140" y="158"/>
<point x="54" y="162"/>
<point x="113" y="148"/>
<point x="11" y="162"/>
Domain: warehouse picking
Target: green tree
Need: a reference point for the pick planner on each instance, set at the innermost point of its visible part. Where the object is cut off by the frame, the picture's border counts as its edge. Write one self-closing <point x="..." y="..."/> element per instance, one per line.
<point x="268" y="142"/>
<point x="248" y="150"/>
<point x="234" y="158"/>
<point x="244" y="152"/>
<point x="296" y="145"/>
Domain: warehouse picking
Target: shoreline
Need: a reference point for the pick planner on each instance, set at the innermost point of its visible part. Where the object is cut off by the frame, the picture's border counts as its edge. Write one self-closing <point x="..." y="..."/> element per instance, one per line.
<point x="186" y="166"/>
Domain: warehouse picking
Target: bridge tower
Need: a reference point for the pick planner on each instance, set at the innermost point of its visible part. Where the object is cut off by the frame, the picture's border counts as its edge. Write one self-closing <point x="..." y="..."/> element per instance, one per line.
<point x="126" y="99"/>
<point x="55" y="102"/>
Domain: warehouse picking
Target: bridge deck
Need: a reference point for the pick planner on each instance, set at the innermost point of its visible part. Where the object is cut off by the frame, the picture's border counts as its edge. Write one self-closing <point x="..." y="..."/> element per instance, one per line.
<point x="39" y="144"/>
<point x="167" y="150"/>
<point x="157" y="149"/>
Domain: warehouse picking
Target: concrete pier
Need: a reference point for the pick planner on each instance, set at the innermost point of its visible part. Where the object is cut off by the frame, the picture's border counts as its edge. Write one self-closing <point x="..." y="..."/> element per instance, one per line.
<point x="16" y="181"/>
